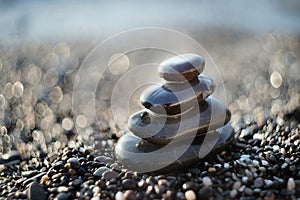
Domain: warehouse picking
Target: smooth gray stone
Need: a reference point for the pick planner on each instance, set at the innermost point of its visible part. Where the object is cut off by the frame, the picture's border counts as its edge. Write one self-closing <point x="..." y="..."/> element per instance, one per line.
<point x="36" y="191"/>
<point x="142" y="156"/>
<point x="11" y="158"/>
<point x="181" y="68"/>
<point x="174" y="98"/>
<point x="160" y="129"/>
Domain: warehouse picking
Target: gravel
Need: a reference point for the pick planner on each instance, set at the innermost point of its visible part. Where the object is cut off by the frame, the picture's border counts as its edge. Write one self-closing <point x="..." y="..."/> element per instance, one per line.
<point x="41" y="153"/>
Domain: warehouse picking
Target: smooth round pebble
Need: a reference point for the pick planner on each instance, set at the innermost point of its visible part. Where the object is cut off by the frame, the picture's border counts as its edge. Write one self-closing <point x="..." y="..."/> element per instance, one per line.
<point x="129" y="184"/>
<point x="130" y="195"/>
<point x="160" y="129"/>
<point x="190" y="195"/>
<point x="181" y="68"/>
<point x="110" y="175"/>
<point x="233" y="193"/>
<point x="175" y="98"/>
<point x="291" y="184"/>
<point x="74" y="162"/>
<point x="207" y="181"/>
<point x="119" y="195"/>
<point x="99" y="172"/>
<point x="103" y="159"/>
<point x="62" y="196"/>
<point x="36" y="190"/>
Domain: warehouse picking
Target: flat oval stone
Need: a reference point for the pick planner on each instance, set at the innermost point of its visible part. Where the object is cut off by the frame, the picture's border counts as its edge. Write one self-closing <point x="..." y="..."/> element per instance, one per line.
<point x="181" y="68"/>
<point x="160" y="129"/>
<point x="133" y="151"/>
<point x="174" y="98"/>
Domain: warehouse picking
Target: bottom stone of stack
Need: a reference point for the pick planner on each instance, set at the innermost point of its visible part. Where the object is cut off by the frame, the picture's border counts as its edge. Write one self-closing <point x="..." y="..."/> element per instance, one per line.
<point x="142" y="156"/>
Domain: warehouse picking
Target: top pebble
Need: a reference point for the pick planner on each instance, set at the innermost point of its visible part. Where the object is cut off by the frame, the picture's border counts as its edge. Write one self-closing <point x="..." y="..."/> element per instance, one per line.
<point x="181" y="68"/>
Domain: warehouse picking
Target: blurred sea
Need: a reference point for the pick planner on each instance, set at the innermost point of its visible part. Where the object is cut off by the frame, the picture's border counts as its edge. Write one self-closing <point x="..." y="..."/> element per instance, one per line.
<point x="56" y="19"/>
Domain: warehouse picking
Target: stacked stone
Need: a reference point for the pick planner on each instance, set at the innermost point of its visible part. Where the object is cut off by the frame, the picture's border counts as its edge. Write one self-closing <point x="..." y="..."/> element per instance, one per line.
<point x="179" y="110"/>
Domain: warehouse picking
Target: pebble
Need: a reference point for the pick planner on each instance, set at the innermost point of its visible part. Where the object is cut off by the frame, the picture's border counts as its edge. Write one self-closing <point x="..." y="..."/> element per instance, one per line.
<point x="110" y="175"/>
<point x="74" y="163"/>
<point x="159" y="129"/>
<point x="62" y="196"/>
<point x="290" y="184"/>
<point x="236" y="185"/>
<point x="276" y="148"/>
<point x="233" y="193"/>
<point x="130" y="195"/>
<point x="36" y="191"/>
<point x="30" y="173"/>
<point x="258" y="182"/>
<point x="36" y="177"/>
<point x="119" y="195"/>
<point x="264" y="163"/>
<point x="12" y="156"/>
<point x="212" y="169"/>
<point x="190" y="185"/>
<point x="181" y="68"/>
<point x="160" y="189"/>
<point x="103" y="159"/>
<point x="172" y="99"/>
<point x="76" y="183"/>
<point x="268" y="183"/>
<point x="129" y="184"/>
<point x="127" y="143"/>
<point x="205" y="192"/>
<point x="207" y="181"/>
<point x="270" y="196"/>
<point x="249" y="191"/>
<point x="61" y="189"/>
<point x="190" y="195"/>
<point x="99" y="172"/>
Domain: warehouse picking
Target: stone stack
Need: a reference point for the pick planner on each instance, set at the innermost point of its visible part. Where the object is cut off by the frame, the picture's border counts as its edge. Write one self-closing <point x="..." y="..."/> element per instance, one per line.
<point x="178" y="116"/>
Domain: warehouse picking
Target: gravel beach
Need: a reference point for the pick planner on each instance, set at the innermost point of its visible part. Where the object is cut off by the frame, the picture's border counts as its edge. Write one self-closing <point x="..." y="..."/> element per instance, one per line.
<point x="43" y="157"/>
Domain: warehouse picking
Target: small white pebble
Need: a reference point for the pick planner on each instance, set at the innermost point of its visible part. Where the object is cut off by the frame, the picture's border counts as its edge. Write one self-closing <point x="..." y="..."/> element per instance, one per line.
<point x="190" y="195"/>
<point x="226" y="165"/>
<point x="244" y="179"/>
<point x="233" y="193"/>
<point x="206" y="181"/>
<point x="268" y="182"/>
<point x="236" y="185"/>
<point x="264" y="162"/>
<point x="242" y="188"/>
<point x="290" y="184"/>
<point x="119" y="196"/>
<point x="258" y="136"/>
<point x="255" y="163"/>
<point x="244" y="157"/>
<point x="275" y="148"/>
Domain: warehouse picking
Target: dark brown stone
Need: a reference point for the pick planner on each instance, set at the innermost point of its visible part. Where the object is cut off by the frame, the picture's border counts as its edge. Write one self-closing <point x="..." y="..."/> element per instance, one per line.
<point x="174" y="98"/>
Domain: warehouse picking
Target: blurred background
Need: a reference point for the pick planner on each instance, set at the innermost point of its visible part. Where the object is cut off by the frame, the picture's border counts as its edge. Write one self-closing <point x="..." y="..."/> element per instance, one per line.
<point x="255" y="44"/>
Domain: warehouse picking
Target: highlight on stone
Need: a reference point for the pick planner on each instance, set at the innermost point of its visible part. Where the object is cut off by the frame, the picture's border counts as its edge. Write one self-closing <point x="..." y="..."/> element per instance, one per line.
<point x="181" y="123"/>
